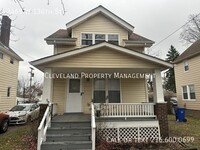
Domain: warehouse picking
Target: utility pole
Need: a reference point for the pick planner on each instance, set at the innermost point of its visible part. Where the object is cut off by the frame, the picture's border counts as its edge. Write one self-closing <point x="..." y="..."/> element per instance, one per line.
<point x="31" y="76"/>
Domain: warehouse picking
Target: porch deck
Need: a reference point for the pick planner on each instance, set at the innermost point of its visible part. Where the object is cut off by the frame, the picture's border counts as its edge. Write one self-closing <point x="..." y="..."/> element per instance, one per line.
<point x="72" y="117"/>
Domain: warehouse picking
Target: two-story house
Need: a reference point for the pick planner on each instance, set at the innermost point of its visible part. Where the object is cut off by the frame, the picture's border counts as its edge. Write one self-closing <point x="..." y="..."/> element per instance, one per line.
<point x="187" y="69"/>
<point x="99" y="59"/>
<point x="9" y="65"/>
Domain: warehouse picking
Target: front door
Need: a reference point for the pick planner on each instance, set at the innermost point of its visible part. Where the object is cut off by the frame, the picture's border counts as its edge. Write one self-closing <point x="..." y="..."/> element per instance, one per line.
<point x="74" y="96"/>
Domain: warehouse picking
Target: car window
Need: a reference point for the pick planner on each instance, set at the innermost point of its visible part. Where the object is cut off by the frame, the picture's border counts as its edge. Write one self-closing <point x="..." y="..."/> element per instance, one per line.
<point x="20" y="108"/>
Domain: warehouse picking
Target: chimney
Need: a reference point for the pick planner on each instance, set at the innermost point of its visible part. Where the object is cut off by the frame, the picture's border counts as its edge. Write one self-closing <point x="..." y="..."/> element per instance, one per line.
<point x="5" y="30"/>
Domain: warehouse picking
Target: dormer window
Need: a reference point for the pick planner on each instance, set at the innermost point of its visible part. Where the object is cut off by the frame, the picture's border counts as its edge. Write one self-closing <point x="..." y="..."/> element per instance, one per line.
<point x="94" y="38"/>
<point x="86" y="39"/>
<point x="113" y="38"/>
<point x="100" y="38"/>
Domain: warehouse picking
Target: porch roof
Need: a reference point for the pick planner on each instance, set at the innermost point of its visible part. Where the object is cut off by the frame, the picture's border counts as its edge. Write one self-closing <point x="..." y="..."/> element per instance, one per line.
<point x="46" y="60"/>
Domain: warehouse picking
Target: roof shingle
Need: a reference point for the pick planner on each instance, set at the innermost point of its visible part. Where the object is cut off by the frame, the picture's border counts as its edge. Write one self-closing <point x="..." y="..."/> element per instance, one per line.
<point x="61" y="33"/>
<point x="192" y="51"/>
<point x="136" y="37"/>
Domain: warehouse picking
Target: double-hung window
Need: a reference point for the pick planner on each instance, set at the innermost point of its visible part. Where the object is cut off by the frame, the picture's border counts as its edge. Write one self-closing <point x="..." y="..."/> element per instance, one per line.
<point x="106" y="90"/>
<point x="86" y="39"/>
<point x="94" y="38"/>
<point x="100" y="38"/>
<point x="185" y="92"/>
<point x="113" y="38"/>
<point x="186" y="66"/>
<point x="188" y="92"/>
<point x="192" y="92"/>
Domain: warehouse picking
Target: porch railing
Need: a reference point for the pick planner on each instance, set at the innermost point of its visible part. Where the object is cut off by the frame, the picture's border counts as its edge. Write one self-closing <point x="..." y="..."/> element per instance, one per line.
<point x="127" y="110"/>
<point x="45" y="123"/>
<point x="93" y="125"/>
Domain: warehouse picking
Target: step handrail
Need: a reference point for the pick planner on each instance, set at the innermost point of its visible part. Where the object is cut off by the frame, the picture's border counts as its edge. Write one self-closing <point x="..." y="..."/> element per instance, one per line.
<point x="93" y="125"/>
<point x="44" y="124"/>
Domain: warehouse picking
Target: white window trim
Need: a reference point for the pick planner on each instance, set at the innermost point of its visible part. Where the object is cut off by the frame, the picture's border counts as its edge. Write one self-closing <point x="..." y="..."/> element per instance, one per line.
<point x="185" y="65"/>
<point x="93" y="36"/>
<point x="188" y="93"/>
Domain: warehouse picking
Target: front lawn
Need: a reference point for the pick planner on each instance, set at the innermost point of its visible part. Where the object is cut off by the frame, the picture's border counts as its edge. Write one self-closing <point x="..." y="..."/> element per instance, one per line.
<point x="19" y="137"/>
<point x="189" y="129"/>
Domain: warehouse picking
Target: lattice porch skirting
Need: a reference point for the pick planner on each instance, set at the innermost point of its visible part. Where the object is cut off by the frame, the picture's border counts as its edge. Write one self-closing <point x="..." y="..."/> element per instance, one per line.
<point x="129" y="131"/>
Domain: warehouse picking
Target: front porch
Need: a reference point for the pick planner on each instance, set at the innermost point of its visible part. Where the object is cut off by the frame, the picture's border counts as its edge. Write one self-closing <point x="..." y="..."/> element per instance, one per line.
<point x="79" y="131"/>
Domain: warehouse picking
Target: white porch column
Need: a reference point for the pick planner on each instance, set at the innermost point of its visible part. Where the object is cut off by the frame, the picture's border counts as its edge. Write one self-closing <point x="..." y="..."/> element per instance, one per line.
<point x="158" y="88"/>
<point x="47" y="85"/>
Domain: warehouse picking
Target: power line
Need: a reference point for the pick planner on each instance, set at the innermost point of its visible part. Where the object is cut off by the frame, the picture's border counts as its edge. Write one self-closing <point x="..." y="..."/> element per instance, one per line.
<point x="174" y="31"/>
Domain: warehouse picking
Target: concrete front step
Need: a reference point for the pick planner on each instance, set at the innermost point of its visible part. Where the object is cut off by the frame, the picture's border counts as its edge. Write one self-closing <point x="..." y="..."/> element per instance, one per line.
<point x="63" y="130"/>
<point x="68" y="137"/>
<point x="67" y="145"/>
<point x="69" y="132"/>
<point x="71" y="124"/>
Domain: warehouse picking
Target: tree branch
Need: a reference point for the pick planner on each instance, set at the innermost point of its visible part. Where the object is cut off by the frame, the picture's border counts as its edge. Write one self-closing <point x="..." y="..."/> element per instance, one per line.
<point x="63" y="6"/>
<point x="19" y="3"/>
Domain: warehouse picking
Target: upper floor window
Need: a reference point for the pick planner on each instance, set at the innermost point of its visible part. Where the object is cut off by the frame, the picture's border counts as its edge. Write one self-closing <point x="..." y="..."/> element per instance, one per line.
<point x="89" y="39"/>
<point x="8" y="91"/>
<point x="100" y="38"/>
<point x="1" y="55"/>
<point x="11" y="60"/>
<point x="113" y="38"/>
<point x="186" y="66"/>
<point x="188" y="92"/>
<point x="86" y="39"/>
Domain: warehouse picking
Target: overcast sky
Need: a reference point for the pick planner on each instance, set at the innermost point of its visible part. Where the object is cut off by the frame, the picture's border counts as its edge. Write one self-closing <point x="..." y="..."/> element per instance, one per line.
<point x="154" y="19"/>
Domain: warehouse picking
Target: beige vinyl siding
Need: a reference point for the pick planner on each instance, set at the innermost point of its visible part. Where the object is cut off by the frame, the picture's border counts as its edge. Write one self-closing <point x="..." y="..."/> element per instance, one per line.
<point x="87" y="87"/>
<point x="8" y="78"/>
<point x="62" y="48"/>
<point x="60" y="94"/>
<point x="133" y="90"/>
<point x="99" y="24"/>
<point x="103" y="58"/>
<point x="188" y="78"/>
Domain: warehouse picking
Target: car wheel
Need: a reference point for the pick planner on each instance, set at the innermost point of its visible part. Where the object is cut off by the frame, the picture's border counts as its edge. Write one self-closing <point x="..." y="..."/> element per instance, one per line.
<point x="4" y="126"/>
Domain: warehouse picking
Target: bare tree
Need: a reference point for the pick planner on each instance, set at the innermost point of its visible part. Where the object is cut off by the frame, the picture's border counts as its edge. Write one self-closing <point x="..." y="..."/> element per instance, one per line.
<point x="191" y="30"/>
<point x="23" y="88"/>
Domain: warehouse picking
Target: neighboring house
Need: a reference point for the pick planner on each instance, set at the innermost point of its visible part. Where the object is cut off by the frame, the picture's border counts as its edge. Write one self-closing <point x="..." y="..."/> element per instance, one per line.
<point x="9" y="65"/>
<point x="187" y="69"/>
<point x="99" y="58"/>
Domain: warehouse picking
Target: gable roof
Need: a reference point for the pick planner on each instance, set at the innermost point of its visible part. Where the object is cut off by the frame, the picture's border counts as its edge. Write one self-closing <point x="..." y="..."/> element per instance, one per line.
<point x="136" y="37"/>
<point x="190" y="52"/>
<point x="61" y="33"/>
<point x="104" y="11"/>
<point x="93" y="47"/>
<point x="10" y="52"/>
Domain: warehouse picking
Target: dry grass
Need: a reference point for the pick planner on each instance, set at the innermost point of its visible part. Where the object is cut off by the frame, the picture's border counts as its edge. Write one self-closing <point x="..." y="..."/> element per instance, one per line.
<point x="21" y="137"/>
<point x="189" y="129"/>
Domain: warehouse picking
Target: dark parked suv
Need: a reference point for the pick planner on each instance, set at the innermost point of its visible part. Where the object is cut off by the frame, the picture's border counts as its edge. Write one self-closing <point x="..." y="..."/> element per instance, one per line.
<point x="4" y="122"/>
